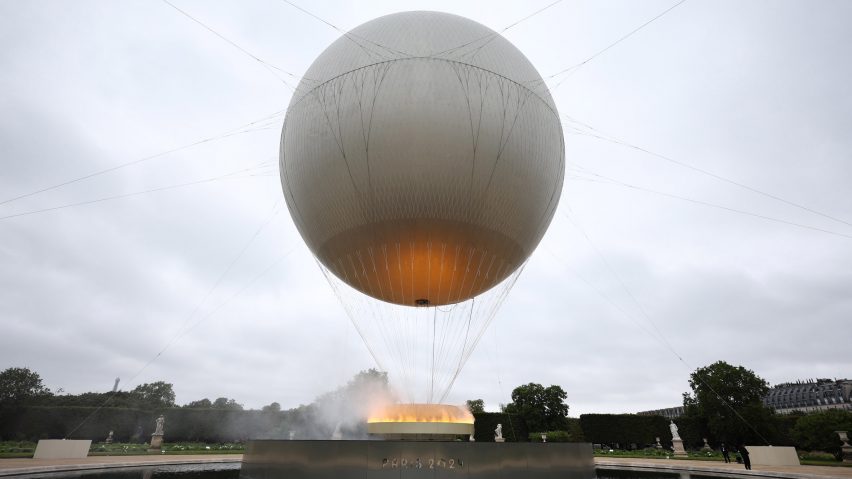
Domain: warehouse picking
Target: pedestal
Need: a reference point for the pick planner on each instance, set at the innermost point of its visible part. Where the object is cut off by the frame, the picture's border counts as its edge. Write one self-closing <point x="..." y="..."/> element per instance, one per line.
<point x="677" y="445"/>
<point x="499" y="439"/>
<point x="846" y="448"/>
<point x="156" y="442"/>
<point x="415" y="459"/>
<point x="62" y="449"/>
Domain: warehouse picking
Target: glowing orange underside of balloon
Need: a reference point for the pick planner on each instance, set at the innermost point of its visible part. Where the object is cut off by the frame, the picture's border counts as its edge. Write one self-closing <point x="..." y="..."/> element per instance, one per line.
<point x="421" y="262"/>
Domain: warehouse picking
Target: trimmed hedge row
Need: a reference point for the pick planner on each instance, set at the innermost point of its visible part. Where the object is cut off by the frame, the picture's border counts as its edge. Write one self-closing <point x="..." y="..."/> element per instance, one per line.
<point x="32" y="423"/>
<point x="625" y="429"/>
<point x="135" y="425"/>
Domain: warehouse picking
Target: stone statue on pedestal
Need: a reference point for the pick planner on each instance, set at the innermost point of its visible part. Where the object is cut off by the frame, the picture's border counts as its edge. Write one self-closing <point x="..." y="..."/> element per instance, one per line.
<point x="157" y="437"/>
<point x="498" y="434"/>
<point x="673" y="428"/>
<point x="109" y="438"/>
<point x="843" y="437"/>
<point x="159" y="428"/>
<point x="845" y="449"/>
<point x="677" y="442"/>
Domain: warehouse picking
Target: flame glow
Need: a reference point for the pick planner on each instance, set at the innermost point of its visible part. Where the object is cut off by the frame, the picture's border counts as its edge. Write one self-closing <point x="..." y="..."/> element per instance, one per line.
<point x="444" y="413"/>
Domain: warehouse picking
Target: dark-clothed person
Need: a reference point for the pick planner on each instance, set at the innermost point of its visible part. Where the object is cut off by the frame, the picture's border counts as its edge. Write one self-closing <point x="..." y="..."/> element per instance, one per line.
<point x="744" y="452"/>
<point x="725" y="455"/>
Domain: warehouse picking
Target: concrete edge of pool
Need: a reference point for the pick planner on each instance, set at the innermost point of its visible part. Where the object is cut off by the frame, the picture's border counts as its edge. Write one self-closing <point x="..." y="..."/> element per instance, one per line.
<point x="719" y="469"/>
<point x="15" y="467"/>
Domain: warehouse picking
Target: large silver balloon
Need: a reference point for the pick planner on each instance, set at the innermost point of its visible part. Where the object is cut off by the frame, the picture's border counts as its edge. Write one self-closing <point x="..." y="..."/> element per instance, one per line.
<point x="422" y="158"/>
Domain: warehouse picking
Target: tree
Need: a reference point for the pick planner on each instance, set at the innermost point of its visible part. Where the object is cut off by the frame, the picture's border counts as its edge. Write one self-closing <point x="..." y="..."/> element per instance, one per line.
<point x="155" y="395"/>
<point x="274" y="407"/>
<point x="19" y="385"/>
<point x="200" y="404"/>
<point x="543" y="409"/>
<point x="727" y="402"/>
<point x="815" y="432"/>
<point x="475" y="406"/>
<point x="225" y="403"/>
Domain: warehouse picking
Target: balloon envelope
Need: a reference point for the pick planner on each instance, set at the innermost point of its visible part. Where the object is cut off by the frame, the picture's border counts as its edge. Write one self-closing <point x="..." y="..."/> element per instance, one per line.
<point x="422" y="158"/>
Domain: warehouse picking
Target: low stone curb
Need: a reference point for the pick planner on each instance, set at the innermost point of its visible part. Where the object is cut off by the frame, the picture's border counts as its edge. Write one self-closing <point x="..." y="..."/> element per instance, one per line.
<point x="138" y="461"/>
<point x="761" y="471"/>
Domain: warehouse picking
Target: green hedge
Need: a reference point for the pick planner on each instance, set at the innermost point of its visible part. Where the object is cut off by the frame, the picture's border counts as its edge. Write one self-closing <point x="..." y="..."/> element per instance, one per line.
<point x="625" y="429"/>
<point x="31" y="423"/>
<point x="134" y="425"/>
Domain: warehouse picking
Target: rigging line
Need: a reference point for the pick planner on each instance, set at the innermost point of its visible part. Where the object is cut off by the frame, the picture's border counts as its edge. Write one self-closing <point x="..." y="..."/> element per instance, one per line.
<point x="235" y="295"/>
<point x="491" y="36"/>
<point x="529" y="16"/>
<point x="726" y="208"/>
<point x="268" y="66"/>
<point x="350" y="314"/>
<point x="608" y="299"/>
<point x="499" y="378"/>
<point x="432" y="383"/>
<point x="661" y="339"/>
<point x="523" y="85"/>
<point x="620" y="280"/>
<point x="226" y="134"/>
<point x="160" y="353"/>
<point x="612" y="139"/>
<point x="461" y="353"/>
<point x="348" y="35"/>
<point x="126" y="195"/>
<point x="495" y="35"/>
<point x="491" y="314"/>
<point x="272" y="215"/>
<point x="625" y="37"/>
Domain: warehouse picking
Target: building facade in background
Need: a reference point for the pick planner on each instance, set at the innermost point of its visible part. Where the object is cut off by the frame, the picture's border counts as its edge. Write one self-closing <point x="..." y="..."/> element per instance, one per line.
<point x="811" y="395"/>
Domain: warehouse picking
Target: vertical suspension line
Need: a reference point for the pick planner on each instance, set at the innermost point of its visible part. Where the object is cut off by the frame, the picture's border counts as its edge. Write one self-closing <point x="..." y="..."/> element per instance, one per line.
<point x="432" y="382"/>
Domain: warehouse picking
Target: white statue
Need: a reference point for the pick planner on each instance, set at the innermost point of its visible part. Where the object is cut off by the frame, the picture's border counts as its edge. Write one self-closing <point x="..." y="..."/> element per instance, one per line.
<point x="471" y="439"/>
<point x="675" y="435"/>
<point x="159" y="430"/>
<point x="498" y="433"/>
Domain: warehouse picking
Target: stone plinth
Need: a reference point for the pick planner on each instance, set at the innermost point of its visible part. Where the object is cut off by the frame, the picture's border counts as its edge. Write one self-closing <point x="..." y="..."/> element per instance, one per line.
<point x="416" y="459"/>
<point x="846" y="448"/>
<point x="499" y="439"/>
<point x="62" y="449"/>
<point x="156" y="442"/>
<point x="677" y="445"/>
<point x="773" y="456"/>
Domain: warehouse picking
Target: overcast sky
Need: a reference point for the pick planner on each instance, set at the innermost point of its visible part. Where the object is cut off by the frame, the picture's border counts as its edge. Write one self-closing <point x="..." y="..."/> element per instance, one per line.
<point x="756" y="93"/>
